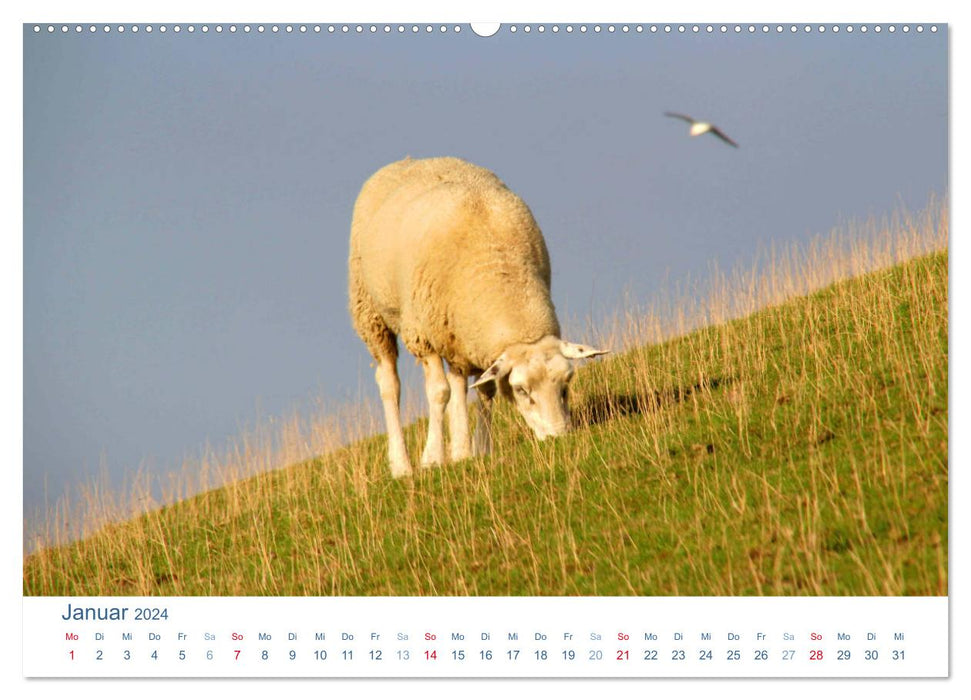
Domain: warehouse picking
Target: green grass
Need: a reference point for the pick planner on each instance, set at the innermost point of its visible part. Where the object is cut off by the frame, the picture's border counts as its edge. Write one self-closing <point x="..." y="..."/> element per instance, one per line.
<point x="800" y="450"/>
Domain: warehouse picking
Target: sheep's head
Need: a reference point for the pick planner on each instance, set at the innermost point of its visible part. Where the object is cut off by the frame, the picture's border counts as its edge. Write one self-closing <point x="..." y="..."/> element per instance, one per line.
<point x="536" y="377"/>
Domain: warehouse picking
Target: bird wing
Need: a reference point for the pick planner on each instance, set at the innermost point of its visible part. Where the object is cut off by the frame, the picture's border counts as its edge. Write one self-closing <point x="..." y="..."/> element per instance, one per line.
<point x="683" y="117"/>
<point x="720" y="134"/>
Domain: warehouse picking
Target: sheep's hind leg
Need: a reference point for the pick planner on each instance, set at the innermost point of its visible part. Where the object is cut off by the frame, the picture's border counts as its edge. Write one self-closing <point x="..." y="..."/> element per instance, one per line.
<point x="437" y="391"/>
<point x="483" y="429"/>
<point x="390" y="388"/>
<point x="460" y="446"/>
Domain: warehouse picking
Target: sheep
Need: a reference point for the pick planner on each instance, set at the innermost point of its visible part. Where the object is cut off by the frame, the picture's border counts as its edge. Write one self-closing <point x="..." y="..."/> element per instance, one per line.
<point x="446" y="257"/>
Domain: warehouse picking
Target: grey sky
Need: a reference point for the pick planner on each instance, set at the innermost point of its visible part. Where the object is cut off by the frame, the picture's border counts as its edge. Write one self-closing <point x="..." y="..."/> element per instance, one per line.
<point x="187" y="198"/>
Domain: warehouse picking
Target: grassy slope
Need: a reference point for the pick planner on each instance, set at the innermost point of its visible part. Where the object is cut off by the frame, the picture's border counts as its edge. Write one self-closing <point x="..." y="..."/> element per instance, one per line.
<point x="801" y="450"/>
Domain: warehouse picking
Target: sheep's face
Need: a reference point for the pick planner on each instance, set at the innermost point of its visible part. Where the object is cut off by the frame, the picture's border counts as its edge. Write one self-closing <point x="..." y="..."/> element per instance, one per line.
<point x="536" y="376"/>
<point x="539" y="388"/>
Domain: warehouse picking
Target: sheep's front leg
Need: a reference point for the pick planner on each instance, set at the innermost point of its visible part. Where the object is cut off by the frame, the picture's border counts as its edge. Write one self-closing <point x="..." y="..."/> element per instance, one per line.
<point x="437" y="391"/>
<point x="458" y="417"/>
<point x="390" y="389"/>
<point x="483" y="429"/>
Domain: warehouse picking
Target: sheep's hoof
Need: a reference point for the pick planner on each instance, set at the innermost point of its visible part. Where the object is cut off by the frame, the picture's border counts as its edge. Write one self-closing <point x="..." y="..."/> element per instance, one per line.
<point x="459" y="455"/>
<point x="434" y="457"/>
<point x="398" y="471"/>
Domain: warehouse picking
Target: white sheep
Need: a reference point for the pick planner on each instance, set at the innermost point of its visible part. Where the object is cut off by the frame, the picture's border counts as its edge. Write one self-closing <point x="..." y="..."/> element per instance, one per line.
<point x="446" y="257"/>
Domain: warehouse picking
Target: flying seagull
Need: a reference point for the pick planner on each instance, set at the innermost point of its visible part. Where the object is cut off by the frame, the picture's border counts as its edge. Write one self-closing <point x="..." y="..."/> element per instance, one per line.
<point x="698" y="128"/>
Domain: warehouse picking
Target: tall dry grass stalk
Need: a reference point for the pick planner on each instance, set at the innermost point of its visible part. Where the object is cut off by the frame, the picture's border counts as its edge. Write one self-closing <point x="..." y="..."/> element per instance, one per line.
<point x="273" y="443"/>
<point x="778" y="272"/>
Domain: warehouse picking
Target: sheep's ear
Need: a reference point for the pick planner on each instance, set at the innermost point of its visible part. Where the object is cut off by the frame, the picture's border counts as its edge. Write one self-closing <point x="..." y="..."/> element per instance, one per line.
<point x="575" y="351"/>
<point x="500" y="368"/>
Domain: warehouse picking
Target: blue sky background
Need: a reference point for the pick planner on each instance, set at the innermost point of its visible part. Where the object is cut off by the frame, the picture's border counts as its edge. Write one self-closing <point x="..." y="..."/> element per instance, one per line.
<point x="187" y="198"/>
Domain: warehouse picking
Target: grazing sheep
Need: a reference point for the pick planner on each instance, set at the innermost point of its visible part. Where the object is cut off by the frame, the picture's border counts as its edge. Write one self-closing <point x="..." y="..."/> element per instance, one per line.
<point x="445" y="256"/>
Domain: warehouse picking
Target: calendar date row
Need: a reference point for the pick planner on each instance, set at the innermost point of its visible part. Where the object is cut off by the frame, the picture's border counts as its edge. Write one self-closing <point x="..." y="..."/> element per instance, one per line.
<point x="487" y="655"/>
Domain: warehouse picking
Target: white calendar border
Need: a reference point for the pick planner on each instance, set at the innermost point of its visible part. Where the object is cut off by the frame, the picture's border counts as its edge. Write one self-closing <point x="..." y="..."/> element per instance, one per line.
<point x="702" y="10"/>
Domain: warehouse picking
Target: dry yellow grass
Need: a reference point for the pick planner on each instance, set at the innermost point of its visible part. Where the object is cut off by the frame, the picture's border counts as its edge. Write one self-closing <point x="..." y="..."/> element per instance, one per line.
<point x="754" y="438"/>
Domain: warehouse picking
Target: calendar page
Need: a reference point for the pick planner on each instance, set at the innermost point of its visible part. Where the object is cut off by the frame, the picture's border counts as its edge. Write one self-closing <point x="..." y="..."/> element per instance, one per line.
<point x="361" y="349"/>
